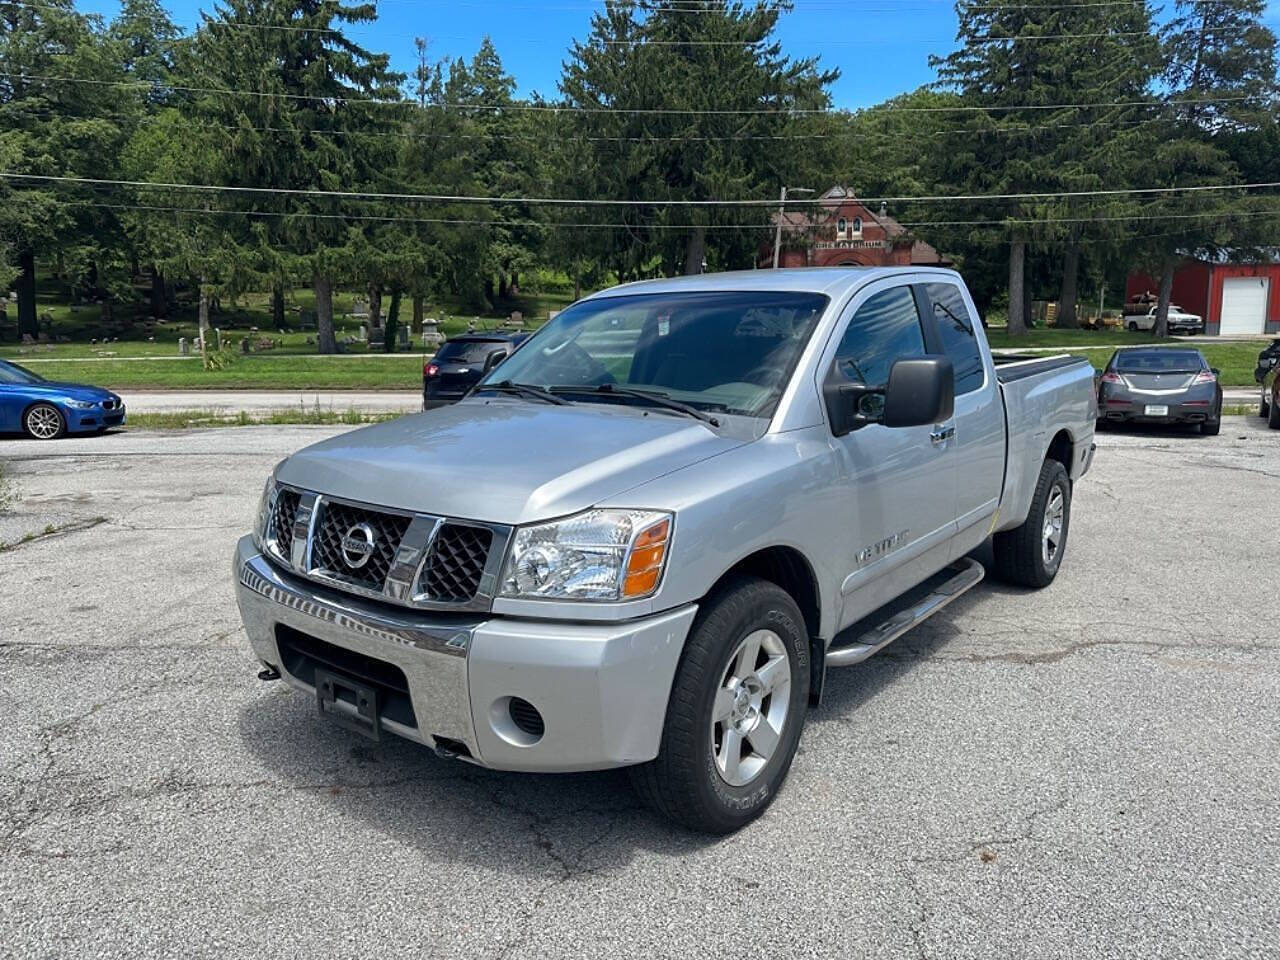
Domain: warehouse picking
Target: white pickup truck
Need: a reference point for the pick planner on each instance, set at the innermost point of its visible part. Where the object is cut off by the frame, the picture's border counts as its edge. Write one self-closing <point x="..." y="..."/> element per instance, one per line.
<point x="644" y="537"/>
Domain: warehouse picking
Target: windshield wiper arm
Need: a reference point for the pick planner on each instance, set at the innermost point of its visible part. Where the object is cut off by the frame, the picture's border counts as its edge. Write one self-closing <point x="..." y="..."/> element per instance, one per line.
<point x="657" y="398"/>
<point x="524" y="390"/>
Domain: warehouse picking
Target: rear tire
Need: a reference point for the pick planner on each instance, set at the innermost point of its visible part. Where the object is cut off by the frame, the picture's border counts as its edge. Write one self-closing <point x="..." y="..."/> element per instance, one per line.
<point x="44" y="421"/>
<point x="1210" y="428"/>
<point x="1133" y="327"/>
<point x="1030" y="555"/>
<point x="1264" y="408"/>
<point x="717" y="775"/>
<point x="1273" y="416"/>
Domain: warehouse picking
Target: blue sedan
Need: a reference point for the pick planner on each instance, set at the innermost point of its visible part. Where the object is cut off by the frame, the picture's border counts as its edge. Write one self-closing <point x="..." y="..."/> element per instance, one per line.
<point x="46" y="410"/>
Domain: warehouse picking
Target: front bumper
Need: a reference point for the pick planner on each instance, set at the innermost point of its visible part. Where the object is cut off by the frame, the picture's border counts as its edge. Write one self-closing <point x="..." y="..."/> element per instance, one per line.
<point x="601" y="688"/>
<point x="79" y="421"/>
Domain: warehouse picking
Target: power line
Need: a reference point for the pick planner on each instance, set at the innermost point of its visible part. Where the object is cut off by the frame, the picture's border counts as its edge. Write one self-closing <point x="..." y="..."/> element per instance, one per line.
<point x="632" y="111"/>
<point x="463" y="221"/>
<point x="597" y="202"/>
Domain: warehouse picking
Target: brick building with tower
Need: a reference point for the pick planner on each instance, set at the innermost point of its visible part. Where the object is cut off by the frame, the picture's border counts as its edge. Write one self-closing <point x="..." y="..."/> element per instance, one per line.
<point x="839" y="230"/>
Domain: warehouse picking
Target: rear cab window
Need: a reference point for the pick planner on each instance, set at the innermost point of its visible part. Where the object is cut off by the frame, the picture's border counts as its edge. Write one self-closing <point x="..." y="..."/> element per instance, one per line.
<point x="954" y="325"/>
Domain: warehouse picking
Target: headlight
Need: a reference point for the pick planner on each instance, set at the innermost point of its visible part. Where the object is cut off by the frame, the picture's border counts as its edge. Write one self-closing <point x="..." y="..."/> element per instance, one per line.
<point x="596" y="555"/>
<point x="265" y="505"/>
<point x="81" y="404"/>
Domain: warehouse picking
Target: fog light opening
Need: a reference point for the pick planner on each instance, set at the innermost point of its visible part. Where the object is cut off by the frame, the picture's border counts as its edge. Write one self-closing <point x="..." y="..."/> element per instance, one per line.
<point x="517" y="721"/>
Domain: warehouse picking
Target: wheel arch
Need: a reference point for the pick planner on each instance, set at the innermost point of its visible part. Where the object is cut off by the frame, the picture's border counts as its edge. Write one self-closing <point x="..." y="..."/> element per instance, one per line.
<point x="791" y="570"/>
<point x="1063" y="449"/>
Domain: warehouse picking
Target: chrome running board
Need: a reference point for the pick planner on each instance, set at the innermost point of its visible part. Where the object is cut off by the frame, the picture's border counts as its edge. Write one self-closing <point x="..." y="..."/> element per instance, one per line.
<point x="965" y="575"/>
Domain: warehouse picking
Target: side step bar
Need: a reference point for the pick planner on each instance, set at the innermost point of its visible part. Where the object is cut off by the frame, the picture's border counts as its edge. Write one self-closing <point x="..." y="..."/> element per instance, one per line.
<point x="965" y="575"/>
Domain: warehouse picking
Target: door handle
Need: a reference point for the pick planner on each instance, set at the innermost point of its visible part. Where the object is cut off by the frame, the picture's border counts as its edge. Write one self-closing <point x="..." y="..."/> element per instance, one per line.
<point x="942" y="434"/>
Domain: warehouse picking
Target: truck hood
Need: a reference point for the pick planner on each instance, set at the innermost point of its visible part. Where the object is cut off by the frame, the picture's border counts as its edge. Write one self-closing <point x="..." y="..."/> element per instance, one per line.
<point x="505" y="461"/>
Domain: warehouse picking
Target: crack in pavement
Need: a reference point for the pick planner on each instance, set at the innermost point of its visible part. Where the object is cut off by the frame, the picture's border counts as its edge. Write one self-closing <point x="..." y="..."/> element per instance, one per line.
<point x="50" y="532"/>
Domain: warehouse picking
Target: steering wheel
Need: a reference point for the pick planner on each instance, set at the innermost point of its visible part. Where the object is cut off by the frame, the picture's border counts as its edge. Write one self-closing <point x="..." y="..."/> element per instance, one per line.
<point x="764" y="376"/>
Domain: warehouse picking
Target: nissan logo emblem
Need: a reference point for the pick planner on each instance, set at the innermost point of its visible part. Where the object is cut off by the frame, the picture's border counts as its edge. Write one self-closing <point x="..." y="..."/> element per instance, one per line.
<point x="357" y="546"/>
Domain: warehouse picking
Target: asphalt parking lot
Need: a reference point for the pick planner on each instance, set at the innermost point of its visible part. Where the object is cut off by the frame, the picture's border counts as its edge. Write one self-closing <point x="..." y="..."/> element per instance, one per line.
<point x="1088" y="771"/>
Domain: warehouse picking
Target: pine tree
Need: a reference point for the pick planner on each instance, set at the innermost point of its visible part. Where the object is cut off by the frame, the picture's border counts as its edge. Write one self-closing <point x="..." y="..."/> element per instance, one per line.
<point x="55" y="128"/>
<point x="297" y="107"/>
<point x="679" y="59"/>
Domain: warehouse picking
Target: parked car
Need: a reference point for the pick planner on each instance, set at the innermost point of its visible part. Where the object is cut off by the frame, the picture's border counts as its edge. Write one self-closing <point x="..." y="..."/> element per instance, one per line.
<point x="1179" y="321"/>
<point x="46" y="409"/>
<point x="645" y="536"/>
<point x="1268" y="376"/>
<point x="1160" y="385"/>
<point x="460" y="363"/>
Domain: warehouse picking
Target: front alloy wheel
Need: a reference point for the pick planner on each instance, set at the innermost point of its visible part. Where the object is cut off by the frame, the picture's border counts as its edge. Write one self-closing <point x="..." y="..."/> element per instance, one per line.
<point x="736" y="710"/>
<point x="751" y="707"/>
<point x="44" y="421"/>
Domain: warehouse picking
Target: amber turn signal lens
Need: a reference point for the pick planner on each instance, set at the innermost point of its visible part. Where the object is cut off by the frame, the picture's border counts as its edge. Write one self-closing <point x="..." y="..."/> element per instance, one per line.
<point x="644" y="566"/>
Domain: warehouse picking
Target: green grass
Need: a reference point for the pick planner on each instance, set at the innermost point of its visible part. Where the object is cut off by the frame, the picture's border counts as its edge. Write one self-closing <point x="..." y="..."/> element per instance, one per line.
<point x="1235" y="359"/>
<point x="187" y="419"/>
<point x="129" y="336"/>
<point x="265" y="371"/>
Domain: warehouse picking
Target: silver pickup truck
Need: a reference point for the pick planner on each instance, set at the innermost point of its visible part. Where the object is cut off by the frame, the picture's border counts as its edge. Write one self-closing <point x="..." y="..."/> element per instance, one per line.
<point x="643" y="538"/>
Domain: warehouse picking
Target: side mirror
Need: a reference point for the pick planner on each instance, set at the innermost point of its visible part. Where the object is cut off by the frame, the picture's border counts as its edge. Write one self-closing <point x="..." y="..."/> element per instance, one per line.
<point x="1215" y="371"/>
<point x="493" y="359"/>
<point x="919" y="391"/>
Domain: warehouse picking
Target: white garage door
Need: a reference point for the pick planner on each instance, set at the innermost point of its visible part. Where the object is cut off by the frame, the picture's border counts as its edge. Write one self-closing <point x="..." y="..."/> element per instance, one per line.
<point x="1244" y="304"/>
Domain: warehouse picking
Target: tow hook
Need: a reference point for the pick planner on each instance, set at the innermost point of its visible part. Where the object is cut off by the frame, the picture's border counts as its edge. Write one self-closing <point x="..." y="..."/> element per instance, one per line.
<point x="268" y="673"/>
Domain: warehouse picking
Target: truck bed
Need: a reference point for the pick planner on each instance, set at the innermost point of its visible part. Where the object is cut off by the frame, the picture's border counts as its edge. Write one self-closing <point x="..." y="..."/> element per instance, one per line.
<point x="1042" y="396"/>
<point x="1018" y="366"/>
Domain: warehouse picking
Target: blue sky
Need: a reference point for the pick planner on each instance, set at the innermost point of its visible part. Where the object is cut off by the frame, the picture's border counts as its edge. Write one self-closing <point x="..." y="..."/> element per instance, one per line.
<point x="881" y="46"/>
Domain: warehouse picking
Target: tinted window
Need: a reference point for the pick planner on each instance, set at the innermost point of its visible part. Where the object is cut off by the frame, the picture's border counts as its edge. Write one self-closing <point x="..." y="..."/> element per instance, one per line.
<point x="728" y="351"/>
<point x="1158" y="361"/>
<point x="468" y="351"/>
<point x="885" y="328"/>
<point x="12" y="373"/>
<point x="955" y="329"/>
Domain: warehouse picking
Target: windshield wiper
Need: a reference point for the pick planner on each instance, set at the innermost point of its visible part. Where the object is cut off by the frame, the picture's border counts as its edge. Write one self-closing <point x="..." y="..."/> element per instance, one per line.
<point x="657" y="398"/>
<point x="524" y="390"/>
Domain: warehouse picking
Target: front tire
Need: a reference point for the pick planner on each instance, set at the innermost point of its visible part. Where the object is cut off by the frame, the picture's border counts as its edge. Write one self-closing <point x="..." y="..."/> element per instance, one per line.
<point x="44" y="421"/>
<point x="736" y="710"/>
<point x="1031" y="554"/>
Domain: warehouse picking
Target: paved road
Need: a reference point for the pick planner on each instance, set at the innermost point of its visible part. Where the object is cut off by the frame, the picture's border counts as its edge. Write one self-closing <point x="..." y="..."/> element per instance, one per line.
<point x="267" y="401"/>
<point x="1088" y="771"/>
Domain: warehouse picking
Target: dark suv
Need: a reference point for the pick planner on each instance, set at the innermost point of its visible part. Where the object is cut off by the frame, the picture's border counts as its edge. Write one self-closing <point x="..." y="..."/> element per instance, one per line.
<point x="460" y="363"/>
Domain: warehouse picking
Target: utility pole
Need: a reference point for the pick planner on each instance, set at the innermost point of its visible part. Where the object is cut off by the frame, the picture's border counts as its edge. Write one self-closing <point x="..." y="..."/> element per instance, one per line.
<point x="782" y="206"/>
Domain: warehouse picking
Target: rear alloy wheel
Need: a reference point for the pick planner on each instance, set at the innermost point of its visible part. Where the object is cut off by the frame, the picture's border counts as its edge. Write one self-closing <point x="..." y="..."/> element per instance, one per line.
<point x="1031" y="554"/>
<point x="736" y="710"/>
<point x="44" y="421"/>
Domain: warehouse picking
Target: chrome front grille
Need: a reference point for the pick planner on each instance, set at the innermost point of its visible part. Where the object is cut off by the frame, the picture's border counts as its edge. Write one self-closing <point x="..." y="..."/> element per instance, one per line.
<point x="339" y="524"/>
<point x="412" y="559"/>
<point x="455" y="562"/>
<point x="282" y="519"/>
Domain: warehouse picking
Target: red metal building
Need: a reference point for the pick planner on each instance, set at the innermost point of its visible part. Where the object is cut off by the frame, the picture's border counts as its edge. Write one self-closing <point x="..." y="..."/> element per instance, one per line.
<point x="841" y="231"/>
<point x="1233" y="297"/>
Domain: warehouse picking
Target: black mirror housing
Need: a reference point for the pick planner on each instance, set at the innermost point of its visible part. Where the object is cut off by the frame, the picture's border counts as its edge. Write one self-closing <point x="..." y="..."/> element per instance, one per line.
<point x="920" y="391"/>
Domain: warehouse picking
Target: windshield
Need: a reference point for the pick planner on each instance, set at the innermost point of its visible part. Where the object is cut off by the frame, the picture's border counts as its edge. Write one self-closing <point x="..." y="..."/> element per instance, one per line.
<point x="729" y="352"/>
<point x="1158" y="361"/>
<point x="12" y="373"/>
<point x="467" y="351"/>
